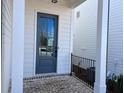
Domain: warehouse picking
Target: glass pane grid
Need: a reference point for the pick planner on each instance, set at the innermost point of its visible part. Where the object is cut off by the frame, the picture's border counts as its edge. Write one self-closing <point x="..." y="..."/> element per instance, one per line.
<point x="46" y="42"/>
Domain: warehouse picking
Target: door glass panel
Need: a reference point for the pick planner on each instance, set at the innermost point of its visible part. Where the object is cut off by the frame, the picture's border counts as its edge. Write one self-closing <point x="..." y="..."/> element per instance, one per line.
<point x="46" y="37"/>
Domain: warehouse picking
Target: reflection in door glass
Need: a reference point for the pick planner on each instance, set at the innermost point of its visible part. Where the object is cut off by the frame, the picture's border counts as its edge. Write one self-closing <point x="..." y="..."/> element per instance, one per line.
<point x="46" y="40"/>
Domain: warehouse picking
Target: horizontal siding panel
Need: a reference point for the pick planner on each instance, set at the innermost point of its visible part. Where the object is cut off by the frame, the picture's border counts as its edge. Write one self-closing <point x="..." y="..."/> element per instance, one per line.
<point x="84" y="43"/>
<point x="6" y="43"/>
<point x="115" y="46"/>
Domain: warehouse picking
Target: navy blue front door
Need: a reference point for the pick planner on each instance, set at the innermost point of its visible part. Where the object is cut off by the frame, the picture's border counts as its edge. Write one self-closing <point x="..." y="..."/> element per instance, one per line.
<point x="46" y="56"/>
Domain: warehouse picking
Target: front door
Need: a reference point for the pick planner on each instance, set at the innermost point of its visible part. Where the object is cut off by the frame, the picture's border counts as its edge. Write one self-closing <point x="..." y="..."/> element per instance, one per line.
<point x="46" y="56"/>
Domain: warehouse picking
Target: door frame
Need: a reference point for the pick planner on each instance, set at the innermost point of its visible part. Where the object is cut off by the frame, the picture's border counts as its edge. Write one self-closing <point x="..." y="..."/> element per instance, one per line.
<point x="55" y="44"/>
<point x="35" y="38"/>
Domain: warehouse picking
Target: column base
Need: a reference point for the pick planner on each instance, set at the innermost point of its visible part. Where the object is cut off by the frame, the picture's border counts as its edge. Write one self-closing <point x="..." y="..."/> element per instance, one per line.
<point x="99" y="88"/>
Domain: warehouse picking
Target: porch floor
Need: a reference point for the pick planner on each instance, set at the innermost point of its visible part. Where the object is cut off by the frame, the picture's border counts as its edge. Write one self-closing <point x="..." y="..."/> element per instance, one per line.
<point x="56" y="84"/>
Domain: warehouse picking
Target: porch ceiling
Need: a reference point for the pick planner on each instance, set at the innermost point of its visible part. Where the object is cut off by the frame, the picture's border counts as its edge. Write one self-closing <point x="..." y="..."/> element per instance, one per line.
<point x="69" y="3"/>
<point x="74" y="3"/>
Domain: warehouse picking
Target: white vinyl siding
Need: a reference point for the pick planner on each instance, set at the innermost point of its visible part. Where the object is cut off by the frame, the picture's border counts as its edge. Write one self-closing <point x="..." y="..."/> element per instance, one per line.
<point x="84" y="43"/>
<point x="6" y="43"/>
<point x="115" y="44"/>
<point x="85" y="34"/>
<point x="64" y="13"/>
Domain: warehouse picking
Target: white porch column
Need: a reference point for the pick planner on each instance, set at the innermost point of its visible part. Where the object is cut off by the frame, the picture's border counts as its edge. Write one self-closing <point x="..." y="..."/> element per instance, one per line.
<point x="18" y="46"/>
<point x="102" y="23"/>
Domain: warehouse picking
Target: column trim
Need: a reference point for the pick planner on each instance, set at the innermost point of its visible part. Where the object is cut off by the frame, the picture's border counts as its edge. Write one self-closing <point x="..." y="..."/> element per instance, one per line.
<point x="101" y="46"/>
<point x="18" y="46"/>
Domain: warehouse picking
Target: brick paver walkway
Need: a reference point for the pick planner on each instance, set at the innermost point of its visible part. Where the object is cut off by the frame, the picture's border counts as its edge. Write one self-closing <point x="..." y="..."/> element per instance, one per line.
<point x="56" y="84"/>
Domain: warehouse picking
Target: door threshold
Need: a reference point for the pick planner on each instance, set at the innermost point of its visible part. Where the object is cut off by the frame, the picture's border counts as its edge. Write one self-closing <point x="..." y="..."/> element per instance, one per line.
<point x="45" y="75"/>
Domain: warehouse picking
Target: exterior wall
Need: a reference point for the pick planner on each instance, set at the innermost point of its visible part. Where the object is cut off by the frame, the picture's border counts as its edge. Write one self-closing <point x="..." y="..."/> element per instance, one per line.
<point x="64" y="34"/>
<point x="85" y="33"/>
<point x="6" y="43"/>
<point x="84" y="43"/>
<point x="115" y="44"/>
